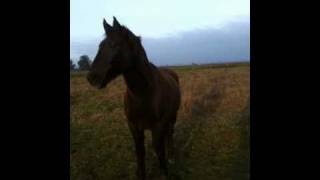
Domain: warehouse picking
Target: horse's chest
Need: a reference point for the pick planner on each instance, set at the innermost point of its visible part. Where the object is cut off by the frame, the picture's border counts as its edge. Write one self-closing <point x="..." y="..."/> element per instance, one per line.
<point x="141" y="113"/>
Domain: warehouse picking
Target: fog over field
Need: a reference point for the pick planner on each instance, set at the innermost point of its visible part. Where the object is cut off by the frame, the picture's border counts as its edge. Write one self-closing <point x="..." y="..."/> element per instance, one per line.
<point x="173" y="32"/>
<point x="228" y="43"/>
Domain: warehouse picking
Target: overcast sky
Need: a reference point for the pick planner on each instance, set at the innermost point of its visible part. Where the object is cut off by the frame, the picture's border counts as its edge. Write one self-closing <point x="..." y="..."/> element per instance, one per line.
<point x="164" y="21"/>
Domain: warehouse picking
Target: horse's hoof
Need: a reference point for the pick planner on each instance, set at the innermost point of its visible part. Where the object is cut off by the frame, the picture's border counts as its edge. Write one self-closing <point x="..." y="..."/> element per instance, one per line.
<point x="140" y="178"/>
<point x="162" y="177"/>
<point x="170" y="161"/>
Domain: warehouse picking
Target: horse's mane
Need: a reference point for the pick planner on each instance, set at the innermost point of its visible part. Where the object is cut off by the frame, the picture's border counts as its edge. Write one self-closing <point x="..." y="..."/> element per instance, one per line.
<point x="130" y="34"/>
<point x="136" y="42"/>
<point x="152" y="65"/>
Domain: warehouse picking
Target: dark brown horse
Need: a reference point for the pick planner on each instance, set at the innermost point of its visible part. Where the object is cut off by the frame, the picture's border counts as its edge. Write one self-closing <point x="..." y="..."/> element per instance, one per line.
<point x="152" y="98"/>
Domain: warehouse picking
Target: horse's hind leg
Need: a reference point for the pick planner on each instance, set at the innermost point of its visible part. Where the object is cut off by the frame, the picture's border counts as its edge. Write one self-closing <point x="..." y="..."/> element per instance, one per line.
<point x="158" y="142"/>
<point x="169" y="143"/>
<point x="169" y="139"/>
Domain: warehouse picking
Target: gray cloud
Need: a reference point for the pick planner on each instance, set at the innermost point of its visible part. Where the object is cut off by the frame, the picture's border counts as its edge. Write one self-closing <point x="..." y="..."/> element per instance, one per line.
<point x="228" y="43"/>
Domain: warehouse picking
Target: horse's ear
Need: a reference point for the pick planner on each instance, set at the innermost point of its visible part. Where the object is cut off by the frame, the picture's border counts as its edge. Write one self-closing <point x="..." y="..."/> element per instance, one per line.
<point x="116" y="24"/>
<point x="107" y="27"/>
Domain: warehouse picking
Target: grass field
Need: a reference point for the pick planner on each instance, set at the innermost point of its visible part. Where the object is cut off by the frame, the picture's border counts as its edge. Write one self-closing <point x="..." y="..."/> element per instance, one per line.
<point x="211" y="134"/>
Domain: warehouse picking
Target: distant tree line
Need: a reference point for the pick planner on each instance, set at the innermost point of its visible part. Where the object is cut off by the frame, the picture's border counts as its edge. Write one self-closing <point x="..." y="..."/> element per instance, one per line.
<point x="84" y="64"/>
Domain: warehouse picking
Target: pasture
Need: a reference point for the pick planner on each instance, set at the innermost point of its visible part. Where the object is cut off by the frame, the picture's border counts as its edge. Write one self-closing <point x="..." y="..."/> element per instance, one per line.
<point x="211" y="135"/>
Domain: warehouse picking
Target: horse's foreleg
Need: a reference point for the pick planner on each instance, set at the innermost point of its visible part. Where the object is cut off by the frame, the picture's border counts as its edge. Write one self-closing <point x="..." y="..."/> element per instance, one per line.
<point x="138" y="136"/>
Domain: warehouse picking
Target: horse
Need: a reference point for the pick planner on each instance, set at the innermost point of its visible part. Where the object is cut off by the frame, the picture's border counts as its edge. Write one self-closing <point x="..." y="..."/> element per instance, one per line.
<point x="152" y="97"/>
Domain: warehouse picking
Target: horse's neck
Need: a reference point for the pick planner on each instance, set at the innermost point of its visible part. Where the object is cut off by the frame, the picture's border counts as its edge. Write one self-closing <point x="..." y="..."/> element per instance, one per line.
<point x="140" y="79"/>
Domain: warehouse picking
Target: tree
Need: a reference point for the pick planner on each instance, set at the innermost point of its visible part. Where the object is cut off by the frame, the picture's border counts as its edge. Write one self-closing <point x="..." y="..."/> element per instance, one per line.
<point x="72" y="65"/>
<point x="84" y="63"/>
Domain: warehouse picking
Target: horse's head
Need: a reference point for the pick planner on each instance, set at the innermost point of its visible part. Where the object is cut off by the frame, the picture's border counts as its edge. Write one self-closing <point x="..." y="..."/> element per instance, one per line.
<point x="114" y="55"/>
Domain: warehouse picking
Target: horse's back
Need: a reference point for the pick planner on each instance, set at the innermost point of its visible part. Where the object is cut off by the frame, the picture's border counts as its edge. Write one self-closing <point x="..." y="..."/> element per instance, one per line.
<point x="171" y="73"/>
<point x="171" y="89"/>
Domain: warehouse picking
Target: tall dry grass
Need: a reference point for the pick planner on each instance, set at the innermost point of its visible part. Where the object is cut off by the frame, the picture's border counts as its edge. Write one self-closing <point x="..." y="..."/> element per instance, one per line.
<point x="211" y="134"/>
